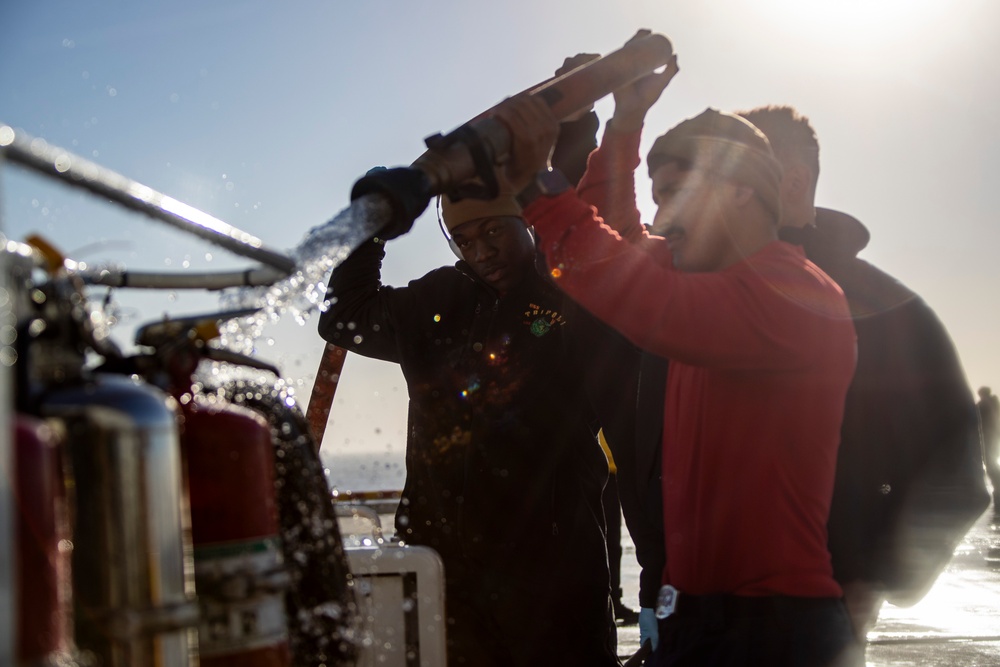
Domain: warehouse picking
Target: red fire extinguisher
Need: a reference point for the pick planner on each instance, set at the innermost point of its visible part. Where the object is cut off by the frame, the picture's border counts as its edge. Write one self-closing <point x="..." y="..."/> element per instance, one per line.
<point x="42" y="546"/>
<point x="240" y="577"/>
<point x="238" y="565"/>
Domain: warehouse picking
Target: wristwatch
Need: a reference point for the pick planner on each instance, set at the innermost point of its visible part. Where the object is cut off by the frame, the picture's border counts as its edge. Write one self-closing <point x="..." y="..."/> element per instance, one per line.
<point x="548" y="183"/>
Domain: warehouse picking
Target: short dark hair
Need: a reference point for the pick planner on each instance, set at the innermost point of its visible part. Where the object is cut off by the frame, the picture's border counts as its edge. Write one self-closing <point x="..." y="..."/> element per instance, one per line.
<point x="790" y="133"/>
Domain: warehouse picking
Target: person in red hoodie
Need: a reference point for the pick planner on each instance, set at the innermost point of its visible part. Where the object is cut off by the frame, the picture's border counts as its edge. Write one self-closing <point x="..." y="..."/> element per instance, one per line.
<point x="761" y="349"/>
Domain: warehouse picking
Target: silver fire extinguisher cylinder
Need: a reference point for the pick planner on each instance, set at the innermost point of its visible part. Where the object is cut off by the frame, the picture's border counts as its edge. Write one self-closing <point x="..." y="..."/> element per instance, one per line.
<point x="132" y="570"/>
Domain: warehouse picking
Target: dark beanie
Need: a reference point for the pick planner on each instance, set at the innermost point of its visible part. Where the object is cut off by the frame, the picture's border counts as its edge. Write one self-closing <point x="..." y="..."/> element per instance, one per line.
<point x="724" y="144"/>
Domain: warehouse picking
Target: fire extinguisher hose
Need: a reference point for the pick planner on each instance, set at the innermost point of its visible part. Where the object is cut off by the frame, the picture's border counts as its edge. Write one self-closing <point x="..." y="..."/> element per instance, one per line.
<point x="331" y="365"/>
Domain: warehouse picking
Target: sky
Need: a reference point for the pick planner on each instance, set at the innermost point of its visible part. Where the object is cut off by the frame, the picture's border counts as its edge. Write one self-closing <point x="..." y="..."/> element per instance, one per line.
<point x="264" y="114"/>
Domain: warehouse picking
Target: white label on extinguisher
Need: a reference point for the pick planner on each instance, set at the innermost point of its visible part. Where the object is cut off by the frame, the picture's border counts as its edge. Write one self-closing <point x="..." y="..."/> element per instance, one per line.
<point x="239" y="610"/>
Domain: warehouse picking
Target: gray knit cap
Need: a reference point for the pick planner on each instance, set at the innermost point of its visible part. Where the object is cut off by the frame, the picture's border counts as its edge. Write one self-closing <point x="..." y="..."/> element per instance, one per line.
<point x="727" y="145"/>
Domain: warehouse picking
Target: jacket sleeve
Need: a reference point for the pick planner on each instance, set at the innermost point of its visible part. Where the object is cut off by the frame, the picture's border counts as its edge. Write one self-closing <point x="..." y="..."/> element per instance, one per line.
<point x="609" y="183"/>
<point x="736" y="319"/>
<point x="947" y="491"/>
<point x="361" y="316"/>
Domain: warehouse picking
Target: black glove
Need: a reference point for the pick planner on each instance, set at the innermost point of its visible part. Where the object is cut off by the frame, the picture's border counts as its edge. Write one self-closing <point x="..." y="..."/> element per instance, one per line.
<point x="407" y="190"/>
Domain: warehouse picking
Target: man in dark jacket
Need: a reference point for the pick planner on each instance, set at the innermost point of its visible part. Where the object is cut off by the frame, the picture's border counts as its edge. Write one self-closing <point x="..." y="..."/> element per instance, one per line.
<point x="503" y="470"/>
<point x="909" y="479"/>
<point x="640" y="377"/>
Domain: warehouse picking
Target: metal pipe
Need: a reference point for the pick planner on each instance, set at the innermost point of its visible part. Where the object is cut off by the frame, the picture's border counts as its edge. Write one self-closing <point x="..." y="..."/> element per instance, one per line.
<point x="73" y="170"/>
<point x="154" y="280"/>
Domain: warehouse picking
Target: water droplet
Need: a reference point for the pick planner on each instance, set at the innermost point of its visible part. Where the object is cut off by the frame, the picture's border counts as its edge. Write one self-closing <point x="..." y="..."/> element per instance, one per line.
<point x="556" y="272"/>
<point x="8" y="356"/>
<point x="437" y="318"/>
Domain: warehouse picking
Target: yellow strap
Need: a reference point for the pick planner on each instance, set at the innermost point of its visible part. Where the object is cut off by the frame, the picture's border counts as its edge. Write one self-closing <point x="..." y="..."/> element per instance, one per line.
<point x="612" y="468"/>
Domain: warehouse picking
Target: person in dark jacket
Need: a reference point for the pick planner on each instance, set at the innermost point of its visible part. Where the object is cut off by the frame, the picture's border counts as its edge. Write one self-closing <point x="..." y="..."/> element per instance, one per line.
<point x="909" y="479"/>
<point x="635" y="447"/>
<point x="989" y="421"/>
<point x="504" y="473"/>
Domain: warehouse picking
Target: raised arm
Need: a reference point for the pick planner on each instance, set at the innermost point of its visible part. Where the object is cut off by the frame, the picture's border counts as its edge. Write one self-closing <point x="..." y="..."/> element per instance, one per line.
<point x="360" y="315"/>
<point x="609" y="184"/>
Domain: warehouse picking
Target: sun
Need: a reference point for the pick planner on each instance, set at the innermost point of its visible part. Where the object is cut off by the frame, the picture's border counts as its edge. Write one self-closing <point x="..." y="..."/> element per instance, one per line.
<point x="867" y="23"/>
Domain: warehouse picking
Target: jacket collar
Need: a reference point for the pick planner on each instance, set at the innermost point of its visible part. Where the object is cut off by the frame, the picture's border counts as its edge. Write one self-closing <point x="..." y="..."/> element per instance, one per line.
<point x="834" y="238"/>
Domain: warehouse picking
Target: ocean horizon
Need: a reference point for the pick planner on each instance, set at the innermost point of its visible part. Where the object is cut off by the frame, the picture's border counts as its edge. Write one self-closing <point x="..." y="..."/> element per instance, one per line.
<point x="371" y="471"/>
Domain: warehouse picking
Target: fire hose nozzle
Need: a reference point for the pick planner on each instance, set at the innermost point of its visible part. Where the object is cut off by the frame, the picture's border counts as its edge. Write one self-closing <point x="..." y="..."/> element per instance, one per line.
<point x="483" y="142"/>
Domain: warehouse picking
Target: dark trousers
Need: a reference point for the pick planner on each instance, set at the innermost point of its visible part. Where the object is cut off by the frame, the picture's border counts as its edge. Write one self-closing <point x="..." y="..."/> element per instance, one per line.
<point x="732" y="631"/>
<point x="495" y="619"/>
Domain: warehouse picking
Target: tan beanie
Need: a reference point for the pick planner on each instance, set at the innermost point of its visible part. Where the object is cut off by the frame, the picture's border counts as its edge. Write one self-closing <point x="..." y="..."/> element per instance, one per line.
<point x="466" y="210"/>
<point x="727" y="145"/>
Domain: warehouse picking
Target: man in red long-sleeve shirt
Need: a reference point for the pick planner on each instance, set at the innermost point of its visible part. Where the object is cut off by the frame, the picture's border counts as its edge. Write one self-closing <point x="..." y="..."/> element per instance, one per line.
<point x="761" y="351"/>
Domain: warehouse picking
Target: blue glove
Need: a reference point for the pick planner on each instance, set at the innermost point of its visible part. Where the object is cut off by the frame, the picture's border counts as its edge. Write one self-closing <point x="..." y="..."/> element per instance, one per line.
<point x="648" y="627"/>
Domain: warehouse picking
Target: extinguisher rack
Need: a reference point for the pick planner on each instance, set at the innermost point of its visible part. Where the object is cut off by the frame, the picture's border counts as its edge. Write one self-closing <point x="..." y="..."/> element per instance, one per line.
<point x="20" y="148"/>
